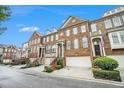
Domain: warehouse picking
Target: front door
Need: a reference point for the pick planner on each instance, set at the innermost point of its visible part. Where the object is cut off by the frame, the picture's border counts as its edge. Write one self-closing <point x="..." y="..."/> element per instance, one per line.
<point x="97" y="50"/>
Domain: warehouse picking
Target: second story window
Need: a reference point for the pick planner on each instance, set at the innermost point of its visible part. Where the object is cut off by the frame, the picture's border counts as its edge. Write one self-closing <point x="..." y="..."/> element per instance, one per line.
<point x="76" y="44"/>
<point x="47" y="38"/>
<point x="75" y="30"/>
<point x="44" y="39"/>
<point x="51" y="37"/>
<point x="83" y="28"/>
<point x="57" y="37"/>
<point x="108" y="23"/>
<point x="68" y="45"/>
<point x="68" y="33"/>
<point x="85" y="42"/>
<point x="116" y="21"/>
<point x="93" y="27"/>
<point x="123" y="17"/>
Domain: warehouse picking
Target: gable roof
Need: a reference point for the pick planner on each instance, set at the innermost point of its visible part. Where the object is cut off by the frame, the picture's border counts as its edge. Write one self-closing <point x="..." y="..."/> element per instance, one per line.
<point x="69" y="19"/>
<point x="34" y="34"/>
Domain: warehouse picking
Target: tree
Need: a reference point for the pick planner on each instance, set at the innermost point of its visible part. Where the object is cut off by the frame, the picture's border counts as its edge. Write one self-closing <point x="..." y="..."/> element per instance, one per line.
<point x="5" y="13"/>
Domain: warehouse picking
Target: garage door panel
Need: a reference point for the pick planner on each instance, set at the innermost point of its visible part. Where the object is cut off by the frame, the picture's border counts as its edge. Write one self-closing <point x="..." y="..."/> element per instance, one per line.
<point x="78" y="61"/>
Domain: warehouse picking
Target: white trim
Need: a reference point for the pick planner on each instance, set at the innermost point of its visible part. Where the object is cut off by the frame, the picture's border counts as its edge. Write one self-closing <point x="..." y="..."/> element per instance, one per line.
<point x="66" y="22"/>
<point x="102" y="50"/>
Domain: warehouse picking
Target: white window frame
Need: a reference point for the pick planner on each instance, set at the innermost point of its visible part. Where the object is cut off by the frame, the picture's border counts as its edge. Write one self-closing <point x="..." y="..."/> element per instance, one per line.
<point x="61" y="34"/>
<point x="57" y="36"/>
<point x="67" y="32"/>
<point x="47" y="38"/>
<point x="117" y="21"/>
<point x="83" y="28"/>
<point x="116" y="45"/>
<point x="85" y="42"/>
<point x="68" y="45"/>
<point x="38" y="40"/>
<point x="123" y="17"/>
<point x="52" y="37"/>
<point x="76" y="44"/>
<point x="93" y="27"/>
<point x="75" y="30"/>
<point x="108" y="23"/>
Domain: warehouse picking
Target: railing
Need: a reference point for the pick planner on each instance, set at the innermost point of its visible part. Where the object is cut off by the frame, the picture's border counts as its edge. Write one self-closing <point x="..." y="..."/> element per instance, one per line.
<point x="54" y="63"/>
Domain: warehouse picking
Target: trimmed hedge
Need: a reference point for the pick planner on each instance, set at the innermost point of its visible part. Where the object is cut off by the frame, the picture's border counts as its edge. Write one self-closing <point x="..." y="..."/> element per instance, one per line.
<point x="106" y="74"/>
<point x="48" y="69"/>
<point x="105" y="63"/>
<point x="20" y="62"/>
<point x="58" y="67"/>
<point x="31" y="64"/>
<point x="60" y="62"/>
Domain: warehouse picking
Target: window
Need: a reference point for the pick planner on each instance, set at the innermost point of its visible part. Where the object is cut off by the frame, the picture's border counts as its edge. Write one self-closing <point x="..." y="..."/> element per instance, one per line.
<point x="122" y="36"/>
<point x="76" y="43"/>
<point x="57" y="37"/>
<point x="61" y="33"/>
<point x="115" y="37"/>
<point x="68" y="44"/>
<point x="83" y="28"/>
<point x="68" y="33"/>
<point x="85" y="42"/>
<point x="44" y="39"/>
<point x="6" y="50"/>
<point x="123" y="17"/>
<point x="38" y="40"/>
<point x="48" y="39"/>
<point x="75" y="30"/>
<point x="93" y="27"/>
<point x="108" y="23"/>
<point x="35" y="41"/>
<point x="52" y="38"/>
<point x="116" y="21"/>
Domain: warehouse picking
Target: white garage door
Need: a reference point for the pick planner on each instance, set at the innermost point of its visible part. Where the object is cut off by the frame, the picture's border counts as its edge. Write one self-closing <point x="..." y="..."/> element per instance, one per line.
<point x="78" y="61"/>
<point x="120" y="60"/>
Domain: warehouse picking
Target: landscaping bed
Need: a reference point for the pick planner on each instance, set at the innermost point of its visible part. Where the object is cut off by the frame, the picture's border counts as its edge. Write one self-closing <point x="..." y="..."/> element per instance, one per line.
<point x="29" y="64"/>
<point x="104" y="68"/>
<point x="106" y="74"/>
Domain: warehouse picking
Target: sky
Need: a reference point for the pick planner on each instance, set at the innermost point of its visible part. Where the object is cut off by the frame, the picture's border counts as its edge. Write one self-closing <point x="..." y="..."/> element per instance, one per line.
<point x="42" y="18"/>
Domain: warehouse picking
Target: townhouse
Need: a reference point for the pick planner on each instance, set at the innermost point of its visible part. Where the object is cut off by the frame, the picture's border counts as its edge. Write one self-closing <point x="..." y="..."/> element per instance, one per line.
<point x="79" y="41"/>
<point x="8" y="54"/>
<point x="33" y="46"/>
<point x="24" y="50"/>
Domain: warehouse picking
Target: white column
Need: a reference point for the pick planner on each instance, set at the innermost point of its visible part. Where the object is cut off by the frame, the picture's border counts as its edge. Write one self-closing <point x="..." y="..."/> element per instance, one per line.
<point x="56" y="50"/>
<point x="62" y="50"/>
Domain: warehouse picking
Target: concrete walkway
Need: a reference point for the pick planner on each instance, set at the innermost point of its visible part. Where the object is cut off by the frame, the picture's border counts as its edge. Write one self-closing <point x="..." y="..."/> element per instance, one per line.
<point x="122" y="73"/>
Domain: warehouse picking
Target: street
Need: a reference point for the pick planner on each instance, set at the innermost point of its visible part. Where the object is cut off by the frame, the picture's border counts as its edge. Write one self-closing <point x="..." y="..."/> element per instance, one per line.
<point x="18" y="78"/>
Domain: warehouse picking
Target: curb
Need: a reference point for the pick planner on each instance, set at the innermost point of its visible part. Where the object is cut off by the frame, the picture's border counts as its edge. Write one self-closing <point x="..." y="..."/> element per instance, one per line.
<point x="76" y="78"/>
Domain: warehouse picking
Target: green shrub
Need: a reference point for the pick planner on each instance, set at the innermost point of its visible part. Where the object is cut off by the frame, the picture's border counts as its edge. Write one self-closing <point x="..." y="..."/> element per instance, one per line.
<point x="48" y="69"/>
<point x="20" y="61"/>
<point x="31" y="64"/>
<point x="58" y="66"/>
<point x="60" y="62"/>
<point x="107" y="74"/>
<point x="105" y="63"/>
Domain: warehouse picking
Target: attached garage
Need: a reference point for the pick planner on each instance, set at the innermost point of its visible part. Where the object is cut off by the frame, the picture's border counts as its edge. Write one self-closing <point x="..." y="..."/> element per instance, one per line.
<point x="78" y="61"/>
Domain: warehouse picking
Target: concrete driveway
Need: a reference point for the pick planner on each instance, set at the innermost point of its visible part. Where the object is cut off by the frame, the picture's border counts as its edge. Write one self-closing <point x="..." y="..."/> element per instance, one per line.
<point x="75" y="72"/>
<point x="122" y="73"/>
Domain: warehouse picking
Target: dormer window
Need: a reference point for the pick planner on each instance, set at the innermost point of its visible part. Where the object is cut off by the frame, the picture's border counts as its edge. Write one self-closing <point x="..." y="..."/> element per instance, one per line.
<point x="108" y="23"/>
<point x="116" y="21"/>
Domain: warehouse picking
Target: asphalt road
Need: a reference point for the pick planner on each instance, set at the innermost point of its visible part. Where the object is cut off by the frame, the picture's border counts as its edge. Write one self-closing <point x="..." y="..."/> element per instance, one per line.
<point x="17" y="78"/>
